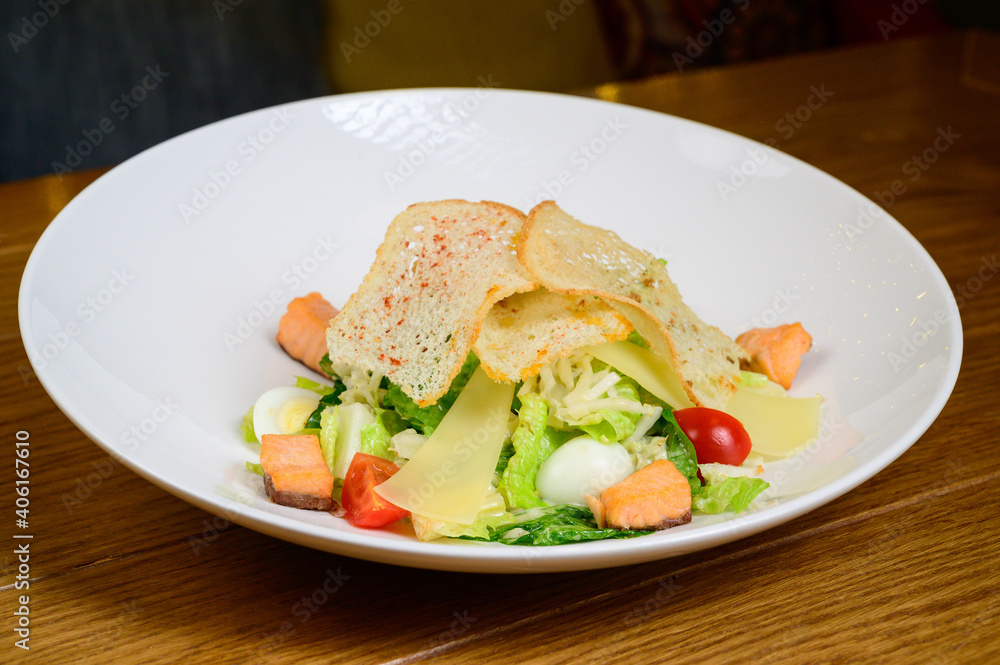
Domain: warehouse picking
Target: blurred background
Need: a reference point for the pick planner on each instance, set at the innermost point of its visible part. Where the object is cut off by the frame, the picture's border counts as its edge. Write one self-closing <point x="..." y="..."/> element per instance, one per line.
<point x="87" y="83"/>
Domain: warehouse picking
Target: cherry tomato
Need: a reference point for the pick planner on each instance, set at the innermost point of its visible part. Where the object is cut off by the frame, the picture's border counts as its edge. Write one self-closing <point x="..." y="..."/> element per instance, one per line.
<point x="362" y="506"/>
<point x="717" y="436"/>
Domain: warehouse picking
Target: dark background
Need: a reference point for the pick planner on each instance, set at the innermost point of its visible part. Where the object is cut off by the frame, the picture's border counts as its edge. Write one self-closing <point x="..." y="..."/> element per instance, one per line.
<point x="69" y="69"/>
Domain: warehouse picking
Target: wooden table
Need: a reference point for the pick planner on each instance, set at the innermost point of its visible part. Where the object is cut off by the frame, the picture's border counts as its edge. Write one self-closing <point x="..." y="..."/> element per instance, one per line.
<point x="903" y="569"/>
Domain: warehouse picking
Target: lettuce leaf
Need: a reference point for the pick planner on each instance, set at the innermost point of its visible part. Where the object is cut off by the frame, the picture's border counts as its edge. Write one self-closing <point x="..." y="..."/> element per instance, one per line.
<point x="635" y="338"/>
<point x="326" y="365"/>
<point x="556" y="525"/>
<point x="505" y="454"/>
<point x="247" y="427"/>
<point x="732" y="494"/>
<point x="426" y="419"/>
<point x="532" y="447"/>
<point x="492" y="515"/>
<point x="678" y="447"/>
<point x="375" y="438"/>
<point x="610" y="426"/>
<point x="329" y="421"/>
<point x="331" y="397"/>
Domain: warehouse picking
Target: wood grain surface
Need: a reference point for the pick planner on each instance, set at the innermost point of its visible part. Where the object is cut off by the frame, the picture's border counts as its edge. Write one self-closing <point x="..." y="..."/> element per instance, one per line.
<point x="904" y="569"/>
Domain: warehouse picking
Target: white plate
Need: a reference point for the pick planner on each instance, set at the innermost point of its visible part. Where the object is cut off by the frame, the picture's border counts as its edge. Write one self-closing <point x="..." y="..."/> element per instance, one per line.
<point x="149" y="306"/>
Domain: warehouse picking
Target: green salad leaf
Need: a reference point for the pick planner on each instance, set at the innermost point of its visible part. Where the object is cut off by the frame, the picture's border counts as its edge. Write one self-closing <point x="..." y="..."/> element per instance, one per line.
<point x="331" y="397"/>
<point x="328" y="422"/>
<point x="678" y="447"/>
<point x="732" y="494"/>
<point x="248" y="433"/>
<point x="375" y="438"/>
<point x="556" y="525"/>
<point x="532" y="447"/>
<point x="425" y="419"/>
<point x="326" y="365"/>
<point x="635" y="338"/>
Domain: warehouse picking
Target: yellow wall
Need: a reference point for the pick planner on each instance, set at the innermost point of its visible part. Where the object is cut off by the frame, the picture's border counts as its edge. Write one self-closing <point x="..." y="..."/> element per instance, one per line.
<point x="528" y="44"/>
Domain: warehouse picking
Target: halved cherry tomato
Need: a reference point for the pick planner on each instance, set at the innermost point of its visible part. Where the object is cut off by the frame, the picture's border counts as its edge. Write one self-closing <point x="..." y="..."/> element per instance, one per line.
<point x="362" y="506"/>
<point x="716" y="435"/>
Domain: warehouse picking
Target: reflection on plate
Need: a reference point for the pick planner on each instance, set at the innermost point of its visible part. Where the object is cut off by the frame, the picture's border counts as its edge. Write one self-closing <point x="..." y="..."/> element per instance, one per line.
<point x="149" y="306"/>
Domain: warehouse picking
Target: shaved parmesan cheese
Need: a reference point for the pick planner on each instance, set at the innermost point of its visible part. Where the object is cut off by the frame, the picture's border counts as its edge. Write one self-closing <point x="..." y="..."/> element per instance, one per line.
<point x="649" y="370"/>
<point x="778" y="426"/>
<point x="448" y="476"/>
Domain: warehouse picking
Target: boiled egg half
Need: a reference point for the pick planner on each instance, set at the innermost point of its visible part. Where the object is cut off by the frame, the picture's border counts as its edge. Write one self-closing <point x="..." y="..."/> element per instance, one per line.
<point x="582" y="466"/>
<point x="283" y="410"/>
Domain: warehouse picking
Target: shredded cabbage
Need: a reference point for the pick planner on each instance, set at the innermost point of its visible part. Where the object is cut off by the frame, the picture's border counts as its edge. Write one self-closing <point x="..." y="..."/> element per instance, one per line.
<point x="359" y="385"/>
<point x="586" y="394"/>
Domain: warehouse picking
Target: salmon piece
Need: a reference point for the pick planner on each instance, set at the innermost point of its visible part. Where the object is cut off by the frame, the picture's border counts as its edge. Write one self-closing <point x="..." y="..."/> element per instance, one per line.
<point x="302" y="329"/>
<point x="295" y="473"/>
<point x="776" y="352"/>
<point x="657" y="496"/>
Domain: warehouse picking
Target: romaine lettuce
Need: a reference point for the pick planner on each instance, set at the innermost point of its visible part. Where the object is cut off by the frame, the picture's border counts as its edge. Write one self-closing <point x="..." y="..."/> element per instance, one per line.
<point x="532" y="447"/>
<point x="610" y="426"/>
<point x="492" y="515"/>
<point x="732" y="494"/>
<point x="375" y="438"/>
<point x="555" y="525"/>
<point x="248" y="433"/>
<point x="328" y="423"/>
<point x="678" y="447"/>
<point x="426" y="419"/>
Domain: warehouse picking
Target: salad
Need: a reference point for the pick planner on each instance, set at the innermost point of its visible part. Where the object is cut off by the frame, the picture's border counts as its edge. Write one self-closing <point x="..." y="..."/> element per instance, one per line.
<point x="545" y="414"/>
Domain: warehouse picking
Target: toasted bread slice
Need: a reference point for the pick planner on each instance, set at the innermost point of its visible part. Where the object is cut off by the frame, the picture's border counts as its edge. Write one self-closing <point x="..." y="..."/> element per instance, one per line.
<point x="527" y="331"/>
<point x="440" y="268"/>
<point x="568" y="256"/>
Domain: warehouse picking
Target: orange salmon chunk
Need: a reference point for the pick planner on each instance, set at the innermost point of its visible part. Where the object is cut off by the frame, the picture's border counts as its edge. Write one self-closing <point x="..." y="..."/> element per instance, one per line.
<point x="302" y="330"/>
<point x="776" y="352"/>
<point x="295" y="473"/>
<point x="657" y="496"/>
